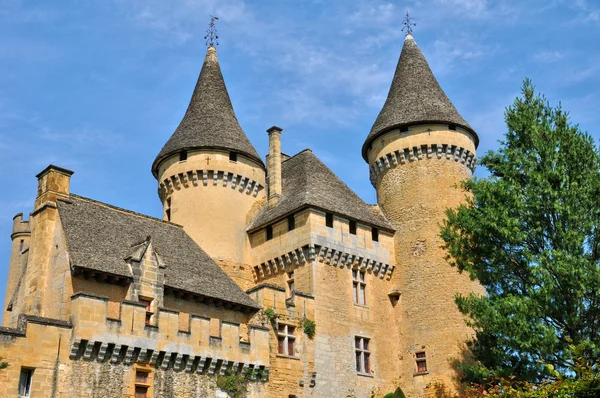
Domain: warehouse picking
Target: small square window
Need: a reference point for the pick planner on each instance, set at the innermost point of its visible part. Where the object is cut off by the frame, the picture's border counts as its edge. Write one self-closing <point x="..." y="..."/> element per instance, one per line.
<point x="290" y="283"/>
<point x="452" y="127"/>
<point x="352" y="227"/>
<point x="291" y="222"/>
<point x="375" y="234"/>
<point x="403" y="129"/>
<point x="25" y="382"/>
<point x="269" y="232"/>
<point x="233" y="156"/>
<point x="141" y="377"/>
<point x="182" y="156"/>
<point x="329" y="220"/>
<point x="285" y="339"/>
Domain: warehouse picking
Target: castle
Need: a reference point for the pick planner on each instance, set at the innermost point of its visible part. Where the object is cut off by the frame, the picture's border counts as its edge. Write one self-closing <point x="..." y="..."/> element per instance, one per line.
<point x="272" y="274"/>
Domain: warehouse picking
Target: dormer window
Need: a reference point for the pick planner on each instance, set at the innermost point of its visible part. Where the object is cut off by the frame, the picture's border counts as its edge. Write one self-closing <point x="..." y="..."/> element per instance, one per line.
<point x="182" y="156"/>
<point x="233" y="156"/>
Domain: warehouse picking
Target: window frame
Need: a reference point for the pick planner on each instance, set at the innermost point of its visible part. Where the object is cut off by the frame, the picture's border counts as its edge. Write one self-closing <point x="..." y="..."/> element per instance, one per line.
<point x="362" y="355"/>
<point x="374" y="234"/>
<point x="421" y="360"/>
<point x="329" y="220"/>
<point x="291" y="222"/>
<point x="359" y="287"/>
<point x="144" y="384"/>
<point x="352" y="227"/>
<point x="286" y="340"/>
<point x="269" y="232"/>
<point x="149" y="313"/>
<point x="28" y="383"/>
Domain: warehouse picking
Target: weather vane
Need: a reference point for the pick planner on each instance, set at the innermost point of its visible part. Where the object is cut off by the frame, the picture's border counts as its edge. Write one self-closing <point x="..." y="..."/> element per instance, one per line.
<point x="408" y="24"/>
<point x="211" y="33"/>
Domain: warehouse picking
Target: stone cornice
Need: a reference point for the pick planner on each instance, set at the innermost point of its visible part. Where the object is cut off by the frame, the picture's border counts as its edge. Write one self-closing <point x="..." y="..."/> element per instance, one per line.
<point x="238" y="182"/>
<point x="421" y="152"/>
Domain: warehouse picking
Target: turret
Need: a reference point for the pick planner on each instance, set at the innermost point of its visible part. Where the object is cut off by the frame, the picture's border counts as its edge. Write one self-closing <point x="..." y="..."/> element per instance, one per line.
<point x="418" y="151"/>
<point x="208" y="172"/>
<point x="21" y="235"/>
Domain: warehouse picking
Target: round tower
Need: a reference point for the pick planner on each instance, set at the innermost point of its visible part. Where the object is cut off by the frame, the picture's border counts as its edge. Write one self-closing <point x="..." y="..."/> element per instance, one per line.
<point x="208" y="172"/>
<point x="419" y="150"/>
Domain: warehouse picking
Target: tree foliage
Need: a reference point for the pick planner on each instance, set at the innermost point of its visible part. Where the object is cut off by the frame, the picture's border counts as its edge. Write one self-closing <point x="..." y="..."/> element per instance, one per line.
<point x="3" y="364"/>
<point x="531" y="235"/>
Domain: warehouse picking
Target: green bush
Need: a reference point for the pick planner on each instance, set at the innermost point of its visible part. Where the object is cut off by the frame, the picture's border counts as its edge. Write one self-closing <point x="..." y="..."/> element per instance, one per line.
<point x="396" y="394"/>
<point x="309" y="327"/>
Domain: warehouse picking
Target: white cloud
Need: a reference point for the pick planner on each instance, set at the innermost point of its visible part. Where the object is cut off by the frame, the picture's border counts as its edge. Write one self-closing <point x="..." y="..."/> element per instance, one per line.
<point x="549" y="56"/>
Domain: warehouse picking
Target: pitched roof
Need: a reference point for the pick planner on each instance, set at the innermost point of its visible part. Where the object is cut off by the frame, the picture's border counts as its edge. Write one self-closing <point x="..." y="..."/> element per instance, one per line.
<point x="415" y="97"/>
<point x="209" y="121"/>
<point x="307" y="182"/>
<point x="100" y="237"/>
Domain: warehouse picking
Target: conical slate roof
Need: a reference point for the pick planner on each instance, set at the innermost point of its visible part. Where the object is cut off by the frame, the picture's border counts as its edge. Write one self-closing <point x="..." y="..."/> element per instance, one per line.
<point x="209" y="121"/>
<point x="415" y="97"/>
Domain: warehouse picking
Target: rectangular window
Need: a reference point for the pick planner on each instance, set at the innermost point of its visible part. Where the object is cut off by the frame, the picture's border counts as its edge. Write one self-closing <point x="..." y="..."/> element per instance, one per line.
<point x="148" y="303"/>
<point x="25" y="382"/>
<point x="375" y="234"/>
<point x="363" y="355"/>
<point x="21" y="244"/>
<point x="182" y="156"/>
<point x="269" y="232"/>
<point x="359" y="287"/>
<point x="233" y="156"/>
<point x="286" y="339"/>
<point x="353" y="227"/>
<point x="404" y="129"/>
<point x="291" y="222"/>
<point x="141" y="392"/>
<point x="421" y="359"/>
<point x="452" y="127"/>
<point x="290" y="282"/>
<point x="329" y="220"/>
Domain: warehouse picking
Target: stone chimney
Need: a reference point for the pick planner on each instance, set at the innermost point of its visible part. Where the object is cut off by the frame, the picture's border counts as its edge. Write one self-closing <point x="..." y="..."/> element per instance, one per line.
<point x="53" y="182"/>
<point x="274" y="165"/>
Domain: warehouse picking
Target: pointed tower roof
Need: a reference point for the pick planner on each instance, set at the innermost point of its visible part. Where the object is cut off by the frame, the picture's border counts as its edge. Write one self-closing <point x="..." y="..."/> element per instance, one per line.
<point x="209" y="121"/>
<point x="415" y="97"/>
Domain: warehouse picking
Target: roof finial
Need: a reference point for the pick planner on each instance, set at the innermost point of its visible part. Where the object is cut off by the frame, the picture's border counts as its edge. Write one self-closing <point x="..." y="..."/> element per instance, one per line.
<point x="211" y="33"/>
<point x="408" y="24"/>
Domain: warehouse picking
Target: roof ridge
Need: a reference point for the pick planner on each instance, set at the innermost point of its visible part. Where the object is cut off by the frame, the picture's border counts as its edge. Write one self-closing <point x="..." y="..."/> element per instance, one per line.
<point x="299" y="153"/>
<point x="113" y="207"/>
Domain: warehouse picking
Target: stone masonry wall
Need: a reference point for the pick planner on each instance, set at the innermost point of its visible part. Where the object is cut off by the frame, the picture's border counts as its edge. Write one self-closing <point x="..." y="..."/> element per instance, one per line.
<point x="414" y="196"/>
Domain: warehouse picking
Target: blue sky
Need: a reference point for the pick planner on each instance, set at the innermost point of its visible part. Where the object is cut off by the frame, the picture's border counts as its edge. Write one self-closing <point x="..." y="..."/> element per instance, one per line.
<point x="98" y="86"/>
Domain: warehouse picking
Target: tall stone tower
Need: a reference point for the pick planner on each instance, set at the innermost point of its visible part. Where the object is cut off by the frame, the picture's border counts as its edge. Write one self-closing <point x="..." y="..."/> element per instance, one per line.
<point x="209" y="173"/>
<point x="418" y="150"/>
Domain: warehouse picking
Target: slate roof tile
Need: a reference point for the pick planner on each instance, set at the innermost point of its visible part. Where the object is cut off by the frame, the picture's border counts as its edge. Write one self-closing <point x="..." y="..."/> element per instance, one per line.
<point x="100" y="237"/>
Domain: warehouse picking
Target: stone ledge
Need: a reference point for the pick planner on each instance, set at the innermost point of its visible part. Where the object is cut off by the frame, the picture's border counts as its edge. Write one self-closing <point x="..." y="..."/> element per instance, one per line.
<point x="265" y="286"/>
<point x="21" y="329"/>
<point x="89" y="295"/>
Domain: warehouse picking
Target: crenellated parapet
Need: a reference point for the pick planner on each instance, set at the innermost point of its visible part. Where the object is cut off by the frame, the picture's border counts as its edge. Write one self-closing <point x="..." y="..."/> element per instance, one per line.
<point x="130" y="339"/>
<point x="20" y="227"/>
<point x="422" y="152"/>
<point x="216" y="178"/>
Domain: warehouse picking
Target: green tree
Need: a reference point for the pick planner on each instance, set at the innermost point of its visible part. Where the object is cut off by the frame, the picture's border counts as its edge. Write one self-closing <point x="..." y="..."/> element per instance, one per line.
<point x="531" y="235"/>
<point x="3" y="364"/>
